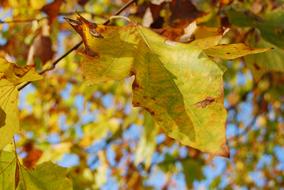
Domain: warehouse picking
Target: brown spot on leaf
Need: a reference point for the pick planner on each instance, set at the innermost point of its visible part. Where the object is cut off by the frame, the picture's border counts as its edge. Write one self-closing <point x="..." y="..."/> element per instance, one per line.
<point x="204" y="103"/>
<point x="150" y="111"/>
<point x="135" y="85"/>
<point x="136" y="104"/>
<point x="2" y="117"/>
<point x="256" y="66"/>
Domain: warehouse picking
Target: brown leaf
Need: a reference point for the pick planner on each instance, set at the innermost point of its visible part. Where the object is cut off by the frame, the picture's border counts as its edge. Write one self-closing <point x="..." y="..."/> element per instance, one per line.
<point x="33" y="155"/>
<point x="52" y="10"/>
<point x="183" y="10"/>
<point x="41" y="49"/>
<point x="82" y="2"/>
<point x="4" y="3"/>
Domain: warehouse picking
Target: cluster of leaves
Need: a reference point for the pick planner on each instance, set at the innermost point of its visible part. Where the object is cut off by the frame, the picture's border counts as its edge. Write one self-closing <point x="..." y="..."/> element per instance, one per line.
<point x="176" y="70"/>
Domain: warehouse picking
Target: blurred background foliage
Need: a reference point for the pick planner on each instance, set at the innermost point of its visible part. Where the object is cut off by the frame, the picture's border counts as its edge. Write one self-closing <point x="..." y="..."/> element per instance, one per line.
<point x="108" y="144"/>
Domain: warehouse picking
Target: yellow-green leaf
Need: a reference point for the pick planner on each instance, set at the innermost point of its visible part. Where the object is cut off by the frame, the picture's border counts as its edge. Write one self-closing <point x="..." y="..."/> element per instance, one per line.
<point x="176" y="83"/>
<point x="270" y="24"/>
<point x="182" y="89"/>
<point x="17" y="74"/>
<point x="9" y="104"/>
<point x="10" y="77"/>
<point x="233" y="51"/>
<point x="7" y="170"/>
<point x="108" y="57"/>
<point x="46" y="176"/>
<point x="272" y="61"/>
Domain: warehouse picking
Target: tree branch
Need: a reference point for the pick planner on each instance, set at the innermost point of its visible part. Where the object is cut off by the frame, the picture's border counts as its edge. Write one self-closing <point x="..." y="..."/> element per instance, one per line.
<point x="42" y="18"/>
<point x="77" y="45"/>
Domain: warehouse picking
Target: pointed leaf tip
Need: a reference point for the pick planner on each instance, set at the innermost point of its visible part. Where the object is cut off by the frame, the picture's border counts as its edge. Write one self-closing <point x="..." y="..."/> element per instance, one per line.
<point x="233" y="51"/>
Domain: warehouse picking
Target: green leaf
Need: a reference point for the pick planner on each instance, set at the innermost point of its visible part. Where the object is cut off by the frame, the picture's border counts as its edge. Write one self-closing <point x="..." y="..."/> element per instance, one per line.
<point x="7" y="170"/>
<point x="192" y="169"/>
<point x="46" y="176"/>
<point x="272" y="61"/>
<point x="233" y="51"/>
<point x="271" y="24"/>
<point x="146" y="147"/>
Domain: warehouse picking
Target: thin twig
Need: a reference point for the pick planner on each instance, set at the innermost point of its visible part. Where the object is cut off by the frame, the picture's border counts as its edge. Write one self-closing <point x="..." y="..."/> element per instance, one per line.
<point x="42" y="18"/>
<point x="77" y="45"/>
<point x="22" y="20"/>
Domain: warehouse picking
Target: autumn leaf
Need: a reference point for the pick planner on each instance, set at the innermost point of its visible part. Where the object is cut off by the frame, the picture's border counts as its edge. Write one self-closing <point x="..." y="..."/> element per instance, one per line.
<point x="52" y="9"/>
<point x="10" y="77"/>
<point x="41" y="50"/>
<point x="233" y="51"/>
<point x="171" y="80"/>
<point x="176" y="83"/>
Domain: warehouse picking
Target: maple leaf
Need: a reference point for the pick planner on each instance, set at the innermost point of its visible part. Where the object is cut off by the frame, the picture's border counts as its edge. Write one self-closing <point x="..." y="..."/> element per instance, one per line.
<point x="176" y="83"/>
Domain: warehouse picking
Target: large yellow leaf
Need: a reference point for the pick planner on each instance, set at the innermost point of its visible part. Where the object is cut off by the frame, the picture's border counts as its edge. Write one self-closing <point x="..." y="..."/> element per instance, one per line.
<point x="176" y="83"/>
<point x="183" y="90"/>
